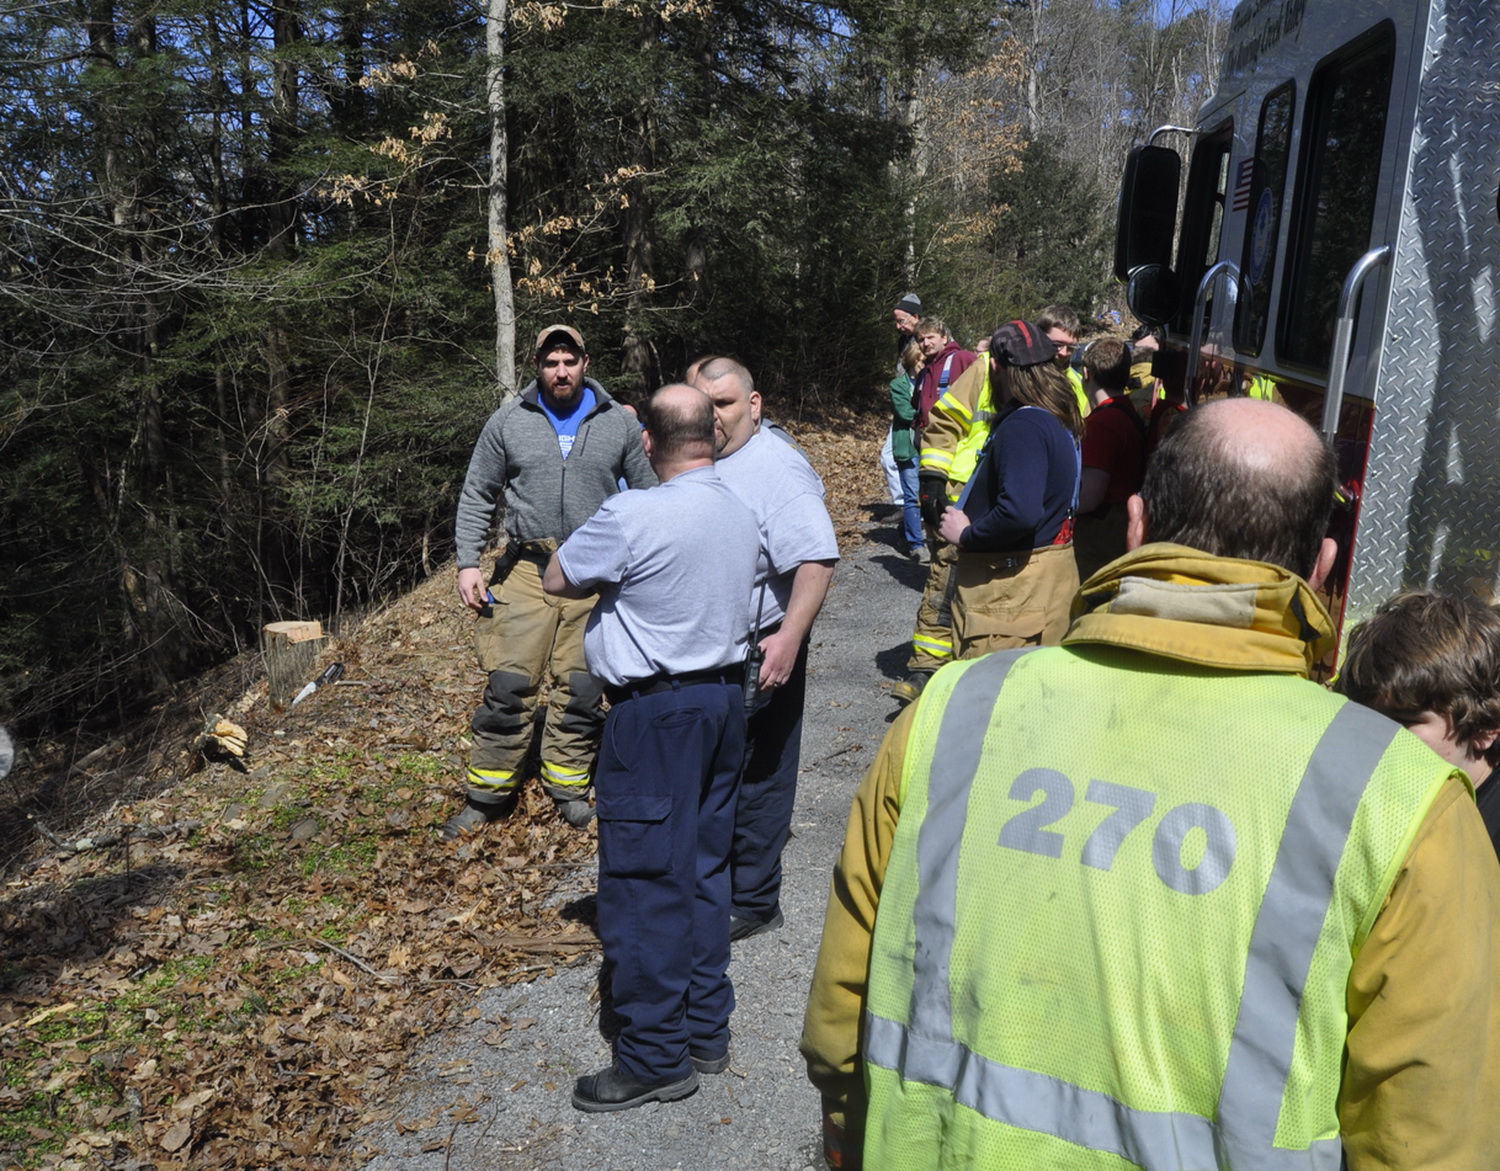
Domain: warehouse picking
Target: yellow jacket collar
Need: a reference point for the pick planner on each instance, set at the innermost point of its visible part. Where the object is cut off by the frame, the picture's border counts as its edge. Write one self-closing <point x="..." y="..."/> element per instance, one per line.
<point x="1188" y="605"/>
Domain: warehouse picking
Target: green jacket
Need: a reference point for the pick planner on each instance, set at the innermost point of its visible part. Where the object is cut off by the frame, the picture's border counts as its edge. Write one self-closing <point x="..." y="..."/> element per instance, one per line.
<point x="903" y="411"/>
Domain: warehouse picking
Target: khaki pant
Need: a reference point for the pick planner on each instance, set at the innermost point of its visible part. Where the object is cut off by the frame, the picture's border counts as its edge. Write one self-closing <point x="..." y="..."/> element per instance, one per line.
<point x="1005" y="600"/>
<point x="524" y="638"/>
<point x="932" y="641"/>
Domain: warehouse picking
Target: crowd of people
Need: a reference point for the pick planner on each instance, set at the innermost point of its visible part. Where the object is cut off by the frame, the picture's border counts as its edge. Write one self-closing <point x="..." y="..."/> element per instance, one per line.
<point x="1123" y="887"/>
<point x="1026" y="449"/>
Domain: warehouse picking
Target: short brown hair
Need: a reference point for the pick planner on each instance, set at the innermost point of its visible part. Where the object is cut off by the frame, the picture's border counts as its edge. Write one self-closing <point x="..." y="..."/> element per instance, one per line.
<point x="1425" y="651"/>
<point x="1061" y="317"/>
<point x="933" y="325"/>
<point x="1107" y="360"/>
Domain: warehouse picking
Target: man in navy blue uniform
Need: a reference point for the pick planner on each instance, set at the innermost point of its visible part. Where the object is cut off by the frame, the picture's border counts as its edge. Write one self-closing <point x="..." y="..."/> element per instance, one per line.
<point x="673" y="566"/>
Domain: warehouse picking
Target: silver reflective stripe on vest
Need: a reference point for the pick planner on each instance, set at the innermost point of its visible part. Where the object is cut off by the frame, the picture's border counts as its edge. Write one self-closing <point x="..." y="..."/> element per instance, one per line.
<point x="1291" y="920"/>
<point x="961" y="733"/>
<point x="1282" y="943"/>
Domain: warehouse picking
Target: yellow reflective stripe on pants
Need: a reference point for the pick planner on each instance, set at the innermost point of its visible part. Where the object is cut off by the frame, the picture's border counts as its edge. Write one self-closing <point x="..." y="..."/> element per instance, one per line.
<point x="932" y="634"/>
<point x="556" y="774"/>
<point x="938" y="648"/>
<point x="494" y="780"/>
<point x="525" y="639"/>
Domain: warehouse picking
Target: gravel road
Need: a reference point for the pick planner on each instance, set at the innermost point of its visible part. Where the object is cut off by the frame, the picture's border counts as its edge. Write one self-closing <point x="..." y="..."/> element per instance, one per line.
<point x="493" y="1090"/>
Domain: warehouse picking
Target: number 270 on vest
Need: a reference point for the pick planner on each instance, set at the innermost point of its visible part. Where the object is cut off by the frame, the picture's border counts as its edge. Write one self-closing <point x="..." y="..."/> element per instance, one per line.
<point x="1132" y="807"/>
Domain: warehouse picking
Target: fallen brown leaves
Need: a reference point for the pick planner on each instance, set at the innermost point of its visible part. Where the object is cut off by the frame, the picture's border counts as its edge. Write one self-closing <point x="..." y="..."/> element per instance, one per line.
<point x="231" y="972"/>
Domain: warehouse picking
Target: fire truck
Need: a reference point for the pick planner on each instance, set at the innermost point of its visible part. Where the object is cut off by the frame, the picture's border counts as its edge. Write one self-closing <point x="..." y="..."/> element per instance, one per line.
<point x="1337" y="248"/>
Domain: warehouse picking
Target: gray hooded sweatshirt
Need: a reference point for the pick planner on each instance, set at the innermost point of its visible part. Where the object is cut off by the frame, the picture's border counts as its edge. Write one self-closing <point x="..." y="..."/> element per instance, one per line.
<point x="546" y="496"/>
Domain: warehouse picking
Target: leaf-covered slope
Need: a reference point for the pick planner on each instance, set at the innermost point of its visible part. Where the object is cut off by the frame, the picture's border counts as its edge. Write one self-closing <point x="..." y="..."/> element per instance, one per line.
<point x="238" y="978"/>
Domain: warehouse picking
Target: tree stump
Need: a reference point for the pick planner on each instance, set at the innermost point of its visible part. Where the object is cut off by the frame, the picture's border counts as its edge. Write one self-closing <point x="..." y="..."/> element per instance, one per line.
<point x="290" y="650"/>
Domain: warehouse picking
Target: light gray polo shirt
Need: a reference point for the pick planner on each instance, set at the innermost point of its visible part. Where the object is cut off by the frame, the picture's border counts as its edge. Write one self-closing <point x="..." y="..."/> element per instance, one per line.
<point x="774" y="478"/>
<point x="673" y="566"/>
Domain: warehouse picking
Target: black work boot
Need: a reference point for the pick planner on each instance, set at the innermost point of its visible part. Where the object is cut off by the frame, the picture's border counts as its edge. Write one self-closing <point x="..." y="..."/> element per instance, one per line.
<point x="575" y="811"/>
<point x="476" y="814"/>
<point x="614" y="1089"/>
<point x="909" y="688"/>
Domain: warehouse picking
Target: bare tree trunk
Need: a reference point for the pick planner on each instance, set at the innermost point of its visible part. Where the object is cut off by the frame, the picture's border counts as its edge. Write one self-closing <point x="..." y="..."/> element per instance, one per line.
<point x="498" y="253"/>
<point x="286" y="31"/>
<point x="1034" y="74"/>
<point x="908" y="107"/>
<point x="638" y="359"/>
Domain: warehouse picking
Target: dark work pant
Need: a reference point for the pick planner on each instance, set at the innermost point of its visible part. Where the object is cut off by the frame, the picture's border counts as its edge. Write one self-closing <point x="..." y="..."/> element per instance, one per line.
<point x="763" y="821"/>
<point x="666" y="783"/>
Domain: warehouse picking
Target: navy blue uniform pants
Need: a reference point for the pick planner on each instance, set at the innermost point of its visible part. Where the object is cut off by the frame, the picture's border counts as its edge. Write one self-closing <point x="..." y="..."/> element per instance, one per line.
<point x="666" y="783"/>
<point x="763" y="821"/>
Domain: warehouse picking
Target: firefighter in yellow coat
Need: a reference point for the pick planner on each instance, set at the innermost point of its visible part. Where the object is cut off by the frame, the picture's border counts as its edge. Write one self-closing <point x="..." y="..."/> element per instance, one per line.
<point x="1152" y="899"/>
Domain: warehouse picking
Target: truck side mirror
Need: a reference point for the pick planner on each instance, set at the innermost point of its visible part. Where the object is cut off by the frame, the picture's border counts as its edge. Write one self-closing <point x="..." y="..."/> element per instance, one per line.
<point x="1148" y="210"/>
<point x="1151" y="293"/>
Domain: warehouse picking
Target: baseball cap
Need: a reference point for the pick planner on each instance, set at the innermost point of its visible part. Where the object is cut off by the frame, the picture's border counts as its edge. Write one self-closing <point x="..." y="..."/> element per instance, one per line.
<point x="548" y="339"/>
<point x="1021" y="343"/>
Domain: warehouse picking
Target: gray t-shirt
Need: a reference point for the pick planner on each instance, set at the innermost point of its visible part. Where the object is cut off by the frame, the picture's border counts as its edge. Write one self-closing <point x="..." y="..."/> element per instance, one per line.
<point x="776" y="481"/>
<point x="673" y="566"/>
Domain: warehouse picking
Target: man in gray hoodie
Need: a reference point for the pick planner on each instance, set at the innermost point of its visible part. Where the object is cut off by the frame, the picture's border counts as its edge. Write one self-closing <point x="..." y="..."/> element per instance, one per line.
<point x="552" y="454"/>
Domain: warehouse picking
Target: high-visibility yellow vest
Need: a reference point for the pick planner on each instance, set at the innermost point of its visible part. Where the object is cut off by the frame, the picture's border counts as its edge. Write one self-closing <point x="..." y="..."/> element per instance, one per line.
<point x="1127" y="943"/>
<point x="1262" y="387"/>
<point x="1075" y="380"/>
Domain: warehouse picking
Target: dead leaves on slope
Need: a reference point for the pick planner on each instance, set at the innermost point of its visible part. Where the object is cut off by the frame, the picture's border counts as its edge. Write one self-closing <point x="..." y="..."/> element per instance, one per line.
<point x="242" y="992"/>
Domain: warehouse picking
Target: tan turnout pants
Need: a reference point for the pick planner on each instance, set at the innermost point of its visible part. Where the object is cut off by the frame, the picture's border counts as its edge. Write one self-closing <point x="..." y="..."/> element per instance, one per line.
<point x="932" y="640"/>
<point x="1004" y="600"/>
<point x="526" y="637"/>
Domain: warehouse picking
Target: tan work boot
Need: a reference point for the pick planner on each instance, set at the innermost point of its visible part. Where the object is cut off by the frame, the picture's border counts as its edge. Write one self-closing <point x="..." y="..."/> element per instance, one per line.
<point x="909" y="688"/>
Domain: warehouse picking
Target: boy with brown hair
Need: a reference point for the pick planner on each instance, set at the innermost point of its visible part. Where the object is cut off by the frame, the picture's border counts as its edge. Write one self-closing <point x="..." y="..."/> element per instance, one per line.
<point x="1431" y="662"/>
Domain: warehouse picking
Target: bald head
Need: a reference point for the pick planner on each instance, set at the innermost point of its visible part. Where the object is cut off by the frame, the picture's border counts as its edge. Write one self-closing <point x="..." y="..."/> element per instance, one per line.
<point x="680" y="421"/>
<point x="1242" y="478"/>
<point x="717" y="369"/>
<point x="736" y="401"/>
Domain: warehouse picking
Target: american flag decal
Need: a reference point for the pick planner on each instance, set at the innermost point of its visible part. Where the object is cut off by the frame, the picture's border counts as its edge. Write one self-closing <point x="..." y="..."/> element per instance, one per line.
<point x="1242" y="182"/>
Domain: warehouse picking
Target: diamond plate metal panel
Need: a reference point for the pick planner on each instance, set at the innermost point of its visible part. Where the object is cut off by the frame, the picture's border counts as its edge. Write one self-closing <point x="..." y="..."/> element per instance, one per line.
<point x="1431" y="509"/>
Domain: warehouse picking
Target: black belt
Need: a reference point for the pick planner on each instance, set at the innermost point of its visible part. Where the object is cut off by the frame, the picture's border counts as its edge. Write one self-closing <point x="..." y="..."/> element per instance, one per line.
<point x="539" y="551"/>
<point x="655" y="684"/>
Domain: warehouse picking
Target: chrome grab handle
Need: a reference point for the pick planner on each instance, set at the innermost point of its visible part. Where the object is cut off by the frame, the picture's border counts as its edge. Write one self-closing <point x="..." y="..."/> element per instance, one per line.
<point x="1169" y="129"/>
<point x="1343" y="335"/>
<point x="1195" y="344"/>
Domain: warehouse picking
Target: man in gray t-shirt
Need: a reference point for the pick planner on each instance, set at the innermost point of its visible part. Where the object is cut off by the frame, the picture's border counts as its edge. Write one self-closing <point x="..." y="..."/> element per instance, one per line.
<point x="774" y="478"/>
<point x="673" y="567"/>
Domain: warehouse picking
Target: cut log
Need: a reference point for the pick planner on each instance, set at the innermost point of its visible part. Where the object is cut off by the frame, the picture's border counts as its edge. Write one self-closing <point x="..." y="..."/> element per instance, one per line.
<point x="290" y="650"/>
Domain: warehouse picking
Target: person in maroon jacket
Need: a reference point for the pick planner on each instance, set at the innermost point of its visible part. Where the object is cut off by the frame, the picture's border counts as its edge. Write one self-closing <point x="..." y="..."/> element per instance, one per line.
<point x="1114" y="456"/>
<point x="945" y="361"/>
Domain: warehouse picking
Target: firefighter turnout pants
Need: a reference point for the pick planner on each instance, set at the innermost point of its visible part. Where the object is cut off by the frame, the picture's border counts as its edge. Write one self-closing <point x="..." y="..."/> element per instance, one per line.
<point x="525" y="638"/>
<point x="932" y="641"/>
<point x="1004" y="600"/>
